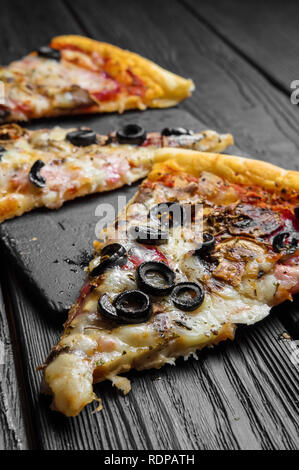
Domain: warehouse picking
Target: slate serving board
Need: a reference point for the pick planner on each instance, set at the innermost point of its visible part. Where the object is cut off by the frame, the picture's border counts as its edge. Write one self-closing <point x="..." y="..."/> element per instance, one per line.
<point x="51" y="248"/>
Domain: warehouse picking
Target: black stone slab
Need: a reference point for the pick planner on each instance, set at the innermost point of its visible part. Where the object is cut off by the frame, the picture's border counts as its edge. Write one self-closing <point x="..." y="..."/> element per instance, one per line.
<point x="51" y="248"/>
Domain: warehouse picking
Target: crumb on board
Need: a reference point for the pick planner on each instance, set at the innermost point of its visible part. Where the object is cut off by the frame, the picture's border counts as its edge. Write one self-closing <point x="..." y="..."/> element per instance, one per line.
<point x="285" y="335"/>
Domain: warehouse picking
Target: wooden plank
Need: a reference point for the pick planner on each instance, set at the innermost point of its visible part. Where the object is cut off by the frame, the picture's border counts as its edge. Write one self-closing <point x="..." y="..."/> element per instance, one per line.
<point x="265" y="33"/>
<point x="12" y="422"/>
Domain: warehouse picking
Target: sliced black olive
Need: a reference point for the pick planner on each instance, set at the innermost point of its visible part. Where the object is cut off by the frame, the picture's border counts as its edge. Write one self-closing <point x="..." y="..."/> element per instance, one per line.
<point x="131" y="134"/>
<point x="155" y="278"/>
<point x="170" y="214"/>
<point x="285" y="242"/>
<point x="2" y="150"/>
<point x="167" y="131"/>
<point x="208" y="245"/>
<point x="111" y="255"/>
<point x="99" y="265"/>
<point x="133" y="306"/>
<point x="113" y="249"/>
<point x="148" y="235"/>
<point x="296" y="210"/>
<point x="35" y="177"/>
<point x="82" y="137"/>
<point x="187" y="295"/>
<point x="49" y="53"/>
<point x="106" y="308"/>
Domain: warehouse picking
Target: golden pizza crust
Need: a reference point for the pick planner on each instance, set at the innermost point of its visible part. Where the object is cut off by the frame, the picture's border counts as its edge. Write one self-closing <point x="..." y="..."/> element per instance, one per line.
<point x="235" y="169"/>
<point x="164" y="89"/>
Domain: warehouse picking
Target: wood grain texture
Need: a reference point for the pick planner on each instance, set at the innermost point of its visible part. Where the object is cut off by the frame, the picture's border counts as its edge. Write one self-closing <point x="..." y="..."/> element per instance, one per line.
<point x="241" y="395"/>
<point x="12" y="420"/>
<point x="264" y="33"/>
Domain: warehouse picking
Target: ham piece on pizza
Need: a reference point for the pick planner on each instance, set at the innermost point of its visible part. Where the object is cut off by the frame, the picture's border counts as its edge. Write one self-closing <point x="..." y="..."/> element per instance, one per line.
<point x="208" y="242"/>
<point x="78" y="75"/>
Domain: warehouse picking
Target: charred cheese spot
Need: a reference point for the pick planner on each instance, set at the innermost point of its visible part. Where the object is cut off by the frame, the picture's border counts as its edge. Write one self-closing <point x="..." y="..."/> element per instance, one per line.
<point x="255" y="221"/>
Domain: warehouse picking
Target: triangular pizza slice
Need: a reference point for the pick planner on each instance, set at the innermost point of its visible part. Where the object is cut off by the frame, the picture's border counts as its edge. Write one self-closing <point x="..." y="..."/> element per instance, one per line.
<point x="208" y="242"/>
<point x="46" y="167"/>
<point x="78" y="75"/>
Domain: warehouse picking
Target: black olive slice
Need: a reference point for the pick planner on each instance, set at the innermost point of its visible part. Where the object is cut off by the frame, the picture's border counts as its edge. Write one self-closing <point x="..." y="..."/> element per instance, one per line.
<point x="82" y="137"/>
<point x="133" y="306"/>
<point x="106" y="308"/>
<point x="155" y="278"/>
<point x="111" y="255"/>
<point x="167" y="131"/>
<point x="35" y="177"/>
<point x="49" y="53"/>
<point x="187" y="295"/>
<point x="296" y="210"/>
<point x="114" y="248"/>
<point x="148" y="235"/>
<point x="285" y="242"/>
<point x="208" y="245"/>
<point x="131" y="134"/>
<point x="99" y="265"/>
<point x="2" y="151"/>
<point x="170" y="214"/>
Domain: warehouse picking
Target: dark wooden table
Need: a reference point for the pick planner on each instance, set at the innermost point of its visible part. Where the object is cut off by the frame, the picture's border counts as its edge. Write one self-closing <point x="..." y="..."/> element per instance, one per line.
<point x="242" y="395"/>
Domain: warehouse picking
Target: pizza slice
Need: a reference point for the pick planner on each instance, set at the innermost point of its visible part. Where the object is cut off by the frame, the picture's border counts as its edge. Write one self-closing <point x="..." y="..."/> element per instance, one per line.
<point x="45" y="168"/>
<point x="208" y="242"/>
<point x="76" y="75"/>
